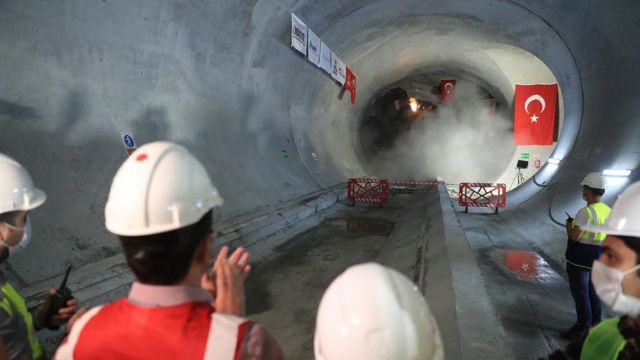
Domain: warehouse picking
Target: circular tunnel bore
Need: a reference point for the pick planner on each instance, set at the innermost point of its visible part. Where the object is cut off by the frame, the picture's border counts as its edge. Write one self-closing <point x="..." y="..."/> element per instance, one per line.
<point x="409" y="130"/>
<point x="408" y="122"/>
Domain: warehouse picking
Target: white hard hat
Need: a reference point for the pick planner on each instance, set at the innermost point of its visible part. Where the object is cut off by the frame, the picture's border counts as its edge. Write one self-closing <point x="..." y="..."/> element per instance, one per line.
<point x="624" y="219"/>
<point x="595" y="180"/>
<point x="159" y="188"/>
<point x="17" y="192"/>
<point x="375" y="313"/>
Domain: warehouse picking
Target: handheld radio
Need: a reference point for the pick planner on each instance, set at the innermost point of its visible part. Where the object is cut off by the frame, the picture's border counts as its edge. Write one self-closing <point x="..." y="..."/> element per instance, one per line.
<point x="58" y="301"/>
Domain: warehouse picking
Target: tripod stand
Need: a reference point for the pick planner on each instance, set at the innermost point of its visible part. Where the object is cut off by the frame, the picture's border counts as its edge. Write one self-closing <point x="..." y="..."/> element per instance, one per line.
<point x="519" y="176"/>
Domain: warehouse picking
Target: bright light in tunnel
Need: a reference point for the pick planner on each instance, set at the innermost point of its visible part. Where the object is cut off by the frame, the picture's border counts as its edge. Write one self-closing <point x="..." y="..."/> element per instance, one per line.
<point x="616" y="172"/>
<point x="554" y="161"/>
<point x="615" y="183"/>
<point x="413" y="103"/>
<point x="616" y="178"/>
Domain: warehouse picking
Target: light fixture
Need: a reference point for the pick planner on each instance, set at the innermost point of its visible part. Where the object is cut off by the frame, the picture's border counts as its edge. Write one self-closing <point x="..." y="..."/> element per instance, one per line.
<point x="616" y="172"/>
<point x="413" y="103"/>
<point x="554" y="161"/>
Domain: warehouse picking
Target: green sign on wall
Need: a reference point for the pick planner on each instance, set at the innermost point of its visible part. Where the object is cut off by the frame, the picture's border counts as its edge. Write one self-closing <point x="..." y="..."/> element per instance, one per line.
<point x="524" y="155"/>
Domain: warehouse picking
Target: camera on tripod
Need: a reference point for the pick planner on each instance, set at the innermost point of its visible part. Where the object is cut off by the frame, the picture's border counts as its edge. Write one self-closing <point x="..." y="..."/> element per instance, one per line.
<point x="522" y="164"/>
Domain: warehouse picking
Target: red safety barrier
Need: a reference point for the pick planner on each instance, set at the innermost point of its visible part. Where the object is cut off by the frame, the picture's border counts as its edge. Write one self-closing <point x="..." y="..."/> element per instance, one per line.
<point x="482" y="195"/>
<point x="368" y="190"/>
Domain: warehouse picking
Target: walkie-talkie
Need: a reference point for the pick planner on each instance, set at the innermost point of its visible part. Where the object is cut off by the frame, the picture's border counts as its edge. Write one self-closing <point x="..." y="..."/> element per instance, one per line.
<point x="568" y="216"/>
<point x="58" y="301"/>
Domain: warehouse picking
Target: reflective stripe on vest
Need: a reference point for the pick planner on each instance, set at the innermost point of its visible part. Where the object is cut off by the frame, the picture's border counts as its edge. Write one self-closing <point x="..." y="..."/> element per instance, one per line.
<point x="65" y="351"/>
<point x="226" y="335"/>
<point x="604" y="341"/>
<point x="597" y="214"/>
<point x="13" y="301"/>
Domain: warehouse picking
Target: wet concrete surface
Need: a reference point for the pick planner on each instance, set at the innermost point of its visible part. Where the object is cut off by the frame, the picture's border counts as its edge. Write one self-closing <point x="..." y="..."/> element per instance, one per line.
<point x="530" y="296"/>
<point x="283" y="293"/>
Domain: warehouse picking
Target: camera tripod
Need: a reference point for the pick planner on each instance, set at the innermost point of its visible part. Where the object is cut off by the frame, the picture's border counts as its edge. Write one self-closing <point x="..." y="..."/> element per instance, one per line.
<point x="519" y="176"/>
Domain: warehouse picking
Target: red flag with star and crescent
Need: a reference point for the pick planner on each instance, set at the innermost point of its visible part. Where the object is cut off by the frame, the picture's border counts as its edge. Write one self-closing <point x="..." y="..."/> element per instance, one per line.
<point x="350" y="84"/>
<point x="447" y="89"/>
<point x="534" y="114"/>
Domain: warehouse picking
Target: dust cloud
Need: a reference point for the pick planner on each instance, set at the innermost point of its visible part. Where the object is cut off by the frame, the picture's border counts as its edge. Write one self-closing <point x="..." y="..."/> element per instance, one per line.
<point x="461" y="141"/>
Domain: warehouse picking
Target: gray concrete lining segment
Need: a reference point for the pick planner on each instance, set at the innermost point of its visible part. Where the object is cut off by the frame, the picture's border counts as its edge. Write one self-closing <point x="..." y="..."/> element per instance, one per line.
<point x="482" y="336"/>
<point x="436" y="278"/>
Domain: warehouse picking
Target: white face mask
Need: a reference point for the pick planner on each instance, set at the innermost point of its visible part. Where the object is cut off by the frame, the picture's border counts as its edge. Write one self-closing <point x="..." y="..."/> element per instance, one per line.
<point x="26" y="238"/>
<point x="608" y="284"/>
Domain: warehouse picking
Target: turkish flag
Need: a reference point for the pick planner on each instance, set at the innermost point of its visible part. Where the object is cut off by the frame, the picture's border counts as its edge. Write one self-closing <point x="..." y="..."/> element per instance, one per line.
<point x="350" y="84"/>
<point x="447" y="89"/>
<point x="534" y="114"/>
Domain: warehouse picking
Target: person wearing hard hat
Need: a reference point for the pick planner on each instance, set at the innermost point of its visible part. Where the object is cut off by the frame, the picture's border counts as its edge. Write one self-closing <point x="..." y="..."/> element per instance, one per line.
<point x="372" y="312"/>
<point x="616" y="278"/>
<point x="583" y="248"/>
<point x="160" y="206"/>
<point x="18" y="196"/>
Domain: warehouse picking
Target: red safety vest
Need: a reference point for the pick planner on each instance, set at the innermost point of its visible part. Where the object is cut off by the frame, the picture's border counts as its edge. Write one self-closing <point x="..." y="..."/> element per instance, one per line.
<point x="124" y="331"/>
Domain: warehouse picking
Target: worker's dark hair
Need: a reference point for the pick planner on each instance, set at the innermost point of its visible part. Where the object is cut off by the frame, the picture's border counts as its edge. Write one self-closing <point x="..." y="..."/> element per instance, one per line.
<point x="164" y="259"/>
<point x="629" y="328"/>
<point x="595" y="192"/>
<point x="632" y="243"/>
<point x="9" y="217"/>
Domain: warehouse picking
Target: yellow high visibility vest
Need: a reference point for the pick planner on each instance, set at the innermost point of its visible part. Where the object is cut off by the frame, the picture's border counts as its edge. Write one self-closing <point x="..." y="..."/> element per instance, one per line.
<point x="597" y="214"/>
<point x="14" y="305"/>
<point x="604" y="341"/>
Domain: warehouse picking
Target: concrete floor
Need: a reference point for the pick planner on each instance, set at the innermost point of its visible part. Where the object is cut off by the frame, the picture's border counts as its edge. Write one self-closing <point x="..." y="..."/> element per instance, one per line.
<point x="493" y="294"/>
<point x="531" y="298"/>
<point x="520" y="301"/>
<point x="283" y="292"/>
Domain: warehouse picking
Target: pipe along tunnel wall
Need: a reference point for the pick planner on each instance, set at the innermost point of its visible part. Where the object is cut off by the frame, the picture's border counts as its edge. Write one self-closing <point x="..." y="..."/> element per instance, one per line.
<point x="220" y="78"/>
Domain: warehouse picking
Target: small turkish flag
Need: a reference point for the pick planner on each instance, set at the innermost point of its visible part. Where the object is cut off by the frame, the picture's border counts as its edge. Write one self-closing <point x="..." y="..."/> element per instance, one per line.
<point x="350" y="84"/>
<point x="447" y="89"/>
<point x="534" y="114"/>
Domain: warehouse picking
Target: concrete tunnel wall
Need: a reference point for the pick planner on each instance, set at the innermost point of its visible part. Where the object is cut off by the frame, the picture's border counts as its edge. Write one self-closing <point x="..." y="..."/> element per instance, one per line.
<point x="220" y="78"/>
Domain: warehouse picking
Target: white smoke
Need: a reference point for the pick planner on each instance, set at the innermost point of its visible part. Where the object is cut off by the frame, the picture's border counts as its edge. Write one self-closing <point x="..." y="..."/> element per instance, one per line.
<point x="460" y="142"/>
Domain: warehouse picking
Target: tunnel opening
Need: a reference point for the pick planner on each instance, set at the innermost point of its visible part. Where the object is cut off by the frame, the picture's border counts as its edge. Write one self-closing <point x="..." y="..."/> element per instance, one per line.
<point x="409" y="130"/>
<point x="409" y="121"/>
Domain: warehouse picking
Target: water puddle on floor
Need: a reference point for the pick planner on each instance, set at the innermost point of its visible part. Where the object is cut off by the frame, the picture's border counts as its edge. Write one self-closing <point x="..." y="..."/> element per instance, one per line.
<point x="527" y="265"/>
<point x="360" y="226"/>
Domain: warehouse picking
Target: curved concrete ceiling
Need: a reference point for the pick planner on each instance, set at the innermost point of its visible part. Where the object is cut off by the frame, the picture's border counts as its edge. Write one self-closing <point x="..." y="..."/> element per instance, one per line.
<point x="219" y="77"/>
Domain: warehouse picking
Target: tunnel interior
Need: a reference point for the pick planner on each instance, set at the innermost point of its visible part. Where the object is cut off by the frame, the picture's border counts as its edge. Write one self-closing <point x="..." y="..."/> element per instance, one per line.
<point x="412" y="134"/>
<point x="252" y="100"/>
<point x="220" y="78"/>
<point x="409" y="131"/>
<point x="450" y="142"/>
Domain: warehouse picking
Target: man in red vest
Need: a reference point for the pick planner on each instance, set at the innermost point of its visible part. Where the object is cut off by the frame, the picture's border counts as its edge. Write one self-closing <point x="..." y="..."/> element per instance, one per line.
<point x="160" y="206"/>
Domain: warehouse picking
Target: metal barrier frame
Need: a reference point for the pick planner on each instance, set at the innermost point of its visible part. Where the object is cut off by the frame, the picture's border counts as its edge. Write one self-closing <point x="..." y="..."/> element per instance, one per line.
<point x="411" y="185"/>
<point x="482" y="195"/>
<point x="368" y="190"/>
